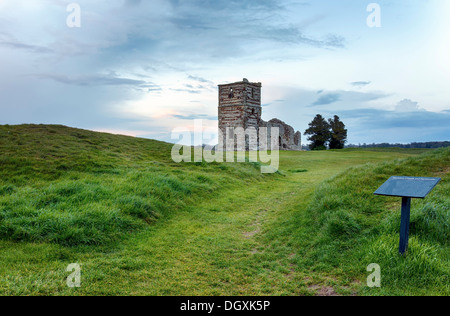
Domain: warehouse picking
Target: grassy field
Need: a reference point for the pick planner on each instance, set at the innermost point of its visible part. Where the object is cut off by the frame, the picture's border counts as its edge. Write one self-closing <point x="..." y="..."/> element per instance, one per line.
<point x="140" y="224"/>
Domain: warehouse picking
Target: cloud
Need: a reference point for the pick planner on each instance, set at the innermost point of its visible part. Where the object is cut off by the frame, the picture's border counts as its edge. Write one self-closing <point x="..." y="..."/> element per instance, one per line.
<point x="186" y="90"/>
<point x="347" y="99"/>
<point x="132" y="3"/>
<point x="92" y="80"/>
<point x="200" y="79"/>
<point x="196" y="117"/>
<point x="227" y="5"/>
<point x="406" y="105"/>
<point x="296" y="36"/>
<point x="150" y="87"/>
<point x="360" y="84"/>
<point x="223" y="30"/>
<point x="26" y="47"/>
<point x="373" y="125"/>
<point x="100" y="80"/>
<point x="327" y="99"/>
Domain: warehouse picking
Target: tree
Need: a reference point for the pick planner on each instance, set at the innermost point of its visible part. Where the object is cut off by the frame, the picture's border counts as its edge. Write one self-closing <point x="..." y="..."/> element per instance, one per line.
<point x="338" y="136"/>
<point x="319" y="131"/>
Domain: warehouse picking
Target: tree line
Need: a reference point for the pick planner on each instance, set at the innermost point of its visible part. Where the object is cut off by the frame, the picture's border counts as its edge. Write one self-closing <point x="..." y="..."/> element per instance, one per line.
<point x="429" y="145"/>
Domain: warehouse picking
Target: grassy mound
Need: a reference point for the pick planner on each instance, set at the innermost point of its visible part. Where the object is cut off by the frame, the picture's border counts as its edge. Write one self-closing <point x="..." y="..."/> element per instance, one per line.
<point x="351" y="227"/>
<point x="76" y="187"/>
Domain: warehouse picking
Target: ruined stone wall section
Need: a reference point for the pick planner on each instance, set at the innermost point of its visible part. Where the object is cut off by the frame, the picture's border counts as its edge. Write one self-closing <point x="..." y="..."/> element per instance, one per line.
<point x="288" y="138"/>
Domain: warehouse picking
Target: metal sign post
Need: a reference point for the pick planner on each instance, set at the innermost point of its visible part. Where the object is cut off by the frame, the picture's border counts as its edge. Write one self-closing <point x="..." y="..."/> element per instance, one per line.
<point x="407" y="188"/>
<point x="404" y="225"/>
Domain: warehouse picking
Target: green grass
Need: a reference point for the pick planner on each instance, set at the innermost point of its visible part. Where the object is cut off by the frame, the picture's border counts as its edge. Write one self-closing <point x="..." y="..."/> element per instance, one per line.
<point x="75" y="187"/>
<point x="140" y="224"/>
<point x="346" y="227"/>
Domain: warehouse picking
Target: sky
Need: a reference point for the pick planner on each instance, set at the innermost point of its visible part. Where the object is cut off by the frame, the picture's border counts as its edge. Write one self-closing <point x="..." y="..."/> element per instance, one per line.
<point x="144" y="68"/>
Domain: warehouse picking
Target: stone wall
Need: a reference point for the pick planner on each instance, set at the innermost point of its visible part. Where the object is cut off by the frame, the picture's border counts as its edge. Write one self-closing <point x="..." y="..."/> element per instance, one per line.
<point x="288" y="139"/>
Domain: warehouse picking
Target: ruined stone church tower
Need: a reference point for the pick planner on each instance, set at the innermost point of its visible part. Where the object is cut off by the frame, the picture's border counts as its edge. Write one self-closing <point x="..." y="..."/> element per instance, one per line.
<point x="240" y="106"/>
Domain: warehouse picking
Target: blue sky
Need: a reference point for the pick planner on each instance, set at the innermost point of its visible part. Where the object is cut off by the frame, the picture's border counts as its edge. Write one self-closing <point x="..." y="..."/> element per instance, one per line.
<point x="144" y="68"/>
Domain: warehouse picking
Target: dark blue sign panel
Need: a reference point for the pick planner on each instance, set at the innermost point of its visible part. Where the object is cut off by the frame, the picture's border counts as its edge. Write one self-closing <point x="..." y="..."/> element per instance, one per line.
<point x="411" y="187"/>
<point x="407" y="188"/>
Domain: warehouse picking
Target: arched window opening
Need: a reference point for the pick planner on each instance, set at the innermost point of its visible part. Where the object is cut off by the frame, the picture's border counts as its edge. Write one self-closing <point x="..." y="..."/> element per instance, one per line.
<point x="231" y="94"/>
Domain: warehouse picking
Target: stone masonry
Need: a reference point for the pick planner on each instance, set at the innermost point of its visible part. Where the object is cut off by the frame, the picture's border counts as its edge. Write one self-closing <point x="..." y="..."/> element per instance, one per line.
<point x="240" y="107"/>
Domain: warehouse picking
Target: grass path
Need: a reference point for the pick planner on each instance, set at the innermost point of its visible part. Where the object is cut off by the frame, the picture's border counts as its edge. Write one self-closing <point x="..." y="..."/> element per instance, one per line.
<point x="223" y="246"/>
<point x="214" y="249"/>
